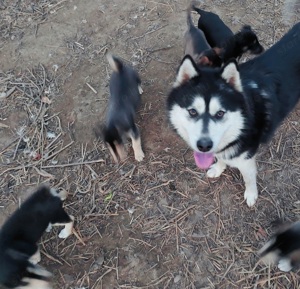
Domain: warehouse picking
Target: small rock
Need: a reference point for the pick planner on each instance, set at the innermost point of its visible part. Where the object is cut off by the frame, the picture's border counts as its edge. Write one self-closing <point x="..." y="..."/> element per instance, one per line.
<point x="177" y="279"/>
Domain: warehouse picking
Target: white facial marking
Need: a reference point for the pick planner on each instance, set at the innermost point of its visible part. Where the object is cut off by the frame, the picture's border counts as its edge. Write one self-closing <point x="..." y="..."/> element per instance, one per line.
<point x="199" y="105"/>
<point x="215" y="106"/>
<point x="188" y="128"/>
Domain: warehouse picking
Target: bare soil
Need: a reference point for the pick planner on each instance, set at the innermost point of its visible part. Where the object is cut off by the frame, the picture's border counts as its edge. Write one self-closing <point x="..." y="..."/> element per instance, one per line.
<point x="160" y="223"/>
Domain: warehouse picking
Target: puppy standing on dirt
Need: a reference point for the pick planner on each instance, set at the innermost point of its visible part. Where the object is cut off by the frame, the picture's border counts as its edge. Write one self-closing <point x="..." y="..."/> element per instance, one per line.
<point x="125" y="90"/>
<point x="219" y="35"/>
<point x="196" y="45"/>
<point x="228" y="113"/>
<point x="283" y="248"/>
<point x="19" y="236"/>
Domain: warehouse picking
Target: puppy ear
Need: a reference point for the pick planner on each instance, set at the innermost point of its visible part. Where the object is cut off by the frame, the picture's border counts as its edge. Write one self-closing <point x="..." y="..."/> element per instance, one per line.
<point x="187" y="70"/>
<point x="232" y="76"/>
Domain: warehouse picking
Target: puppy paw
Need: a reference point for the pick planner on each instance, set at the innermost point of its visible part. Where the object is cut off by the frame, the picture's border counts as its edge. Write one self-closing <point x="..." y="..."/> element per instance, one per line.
<point x="139" y="156"/>
<point x="64" y="233"/>
<point x="285" y="265"/>
<point x="215" y="170"/>
<point x="36" y="258"/>
<point x="250" y="196"/>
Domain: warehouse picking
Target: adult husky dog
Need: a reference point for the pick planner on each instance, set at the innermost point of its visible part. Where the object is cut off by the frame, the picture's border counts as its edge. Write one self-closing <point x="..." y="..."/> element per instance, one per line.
<point x="227" y="113"/>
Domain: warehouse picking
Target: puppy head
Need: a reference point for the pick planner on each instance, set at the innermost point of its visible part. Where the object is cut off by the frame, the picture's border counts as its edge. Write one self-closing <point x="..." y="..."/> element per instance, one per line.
<point x="248" y="41"/>
<point x="114" y="143"/>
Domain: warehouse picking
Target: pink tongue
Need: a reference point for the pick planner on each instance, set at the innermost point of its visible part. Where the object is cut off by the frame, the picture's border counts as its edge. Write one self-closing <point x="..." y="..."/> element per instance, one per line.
<point x="203" y="160"/>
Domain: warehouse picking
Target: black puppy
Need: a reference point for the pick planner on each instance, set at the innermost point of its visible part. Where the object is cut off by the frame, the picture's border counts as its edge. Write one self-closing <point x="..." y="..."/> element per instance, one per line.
<point x="219" y="35"/>
<point x="125" y="90"/>
<point x="20" y="234"/>
<point x="215" y="30"/>
<point x="196" y="45"/>
<point x="284" y="247"/>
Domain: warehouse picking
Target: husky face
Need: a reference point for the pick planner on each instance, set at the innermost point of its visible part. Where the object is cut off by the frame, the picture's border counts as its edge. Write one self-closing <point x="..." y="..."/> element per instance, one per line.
<point x="207" y="108"/>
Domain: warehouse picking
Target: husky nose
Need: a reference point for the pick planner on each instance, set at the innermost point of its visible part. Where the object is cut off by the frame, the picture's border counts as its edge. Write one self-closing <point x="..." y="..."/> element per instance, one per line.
<point x="204" y="144"/>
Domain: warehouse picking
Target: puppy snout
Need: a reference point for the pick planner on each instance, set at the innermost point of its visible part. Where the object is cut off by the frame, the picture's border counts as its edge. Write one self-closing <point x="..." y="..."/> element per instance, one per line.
<point x="204" y="144"/>
<point x="259" y="49"/>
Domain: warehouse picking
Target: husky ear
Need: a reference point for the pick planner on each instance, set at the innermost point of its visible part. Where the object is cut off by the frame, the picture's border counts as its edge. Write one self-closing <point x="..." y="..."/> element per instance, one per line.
<point x="232" y="76"/>
<point x="186" y="71"/>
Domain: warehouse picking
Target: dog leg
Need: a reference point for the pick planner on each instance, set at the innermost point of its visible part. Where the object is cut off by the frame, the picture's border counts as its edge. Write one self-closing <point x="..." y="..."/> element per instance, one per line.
<point x="67" y="230"/>
<point x="285" y="265"/>
<point x="136" y="144"/>
<point x="35" y="258"/>
<point x="216" y="169"/>
<point x="34" y="283"/>
<point x="247" y="167"/>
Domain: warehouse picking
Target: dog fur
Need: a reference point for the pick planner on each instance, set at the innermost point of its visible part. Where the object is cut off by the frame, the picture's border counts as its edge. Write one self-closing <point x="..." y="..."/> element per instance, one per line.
<point x="20" y="234"/>
<point x="283" y="248"/>
<point x="196" y="45"/>
<point x="219" y="35"/>
<point x="228" y="113"/>
<point x="125" y="90"/>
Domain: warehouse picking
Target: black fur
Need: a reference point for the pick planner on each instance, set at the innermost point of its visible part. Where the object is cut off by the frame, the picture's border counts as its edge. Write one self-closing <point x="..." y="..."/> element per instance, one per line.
<point x="285" y="244"/>
<point x="216" y="31"/>
<point x="218" y="34"/>
<point x="241" y="42"/>
<point x="123" y="103"/>
<point x="22" y="231"/>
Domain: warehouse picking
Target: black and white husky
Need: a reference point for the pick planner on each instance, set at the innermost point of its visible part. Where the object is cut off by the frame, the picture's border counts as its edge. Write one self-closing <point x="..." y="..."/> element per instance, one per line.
<point x="225" y="114"/>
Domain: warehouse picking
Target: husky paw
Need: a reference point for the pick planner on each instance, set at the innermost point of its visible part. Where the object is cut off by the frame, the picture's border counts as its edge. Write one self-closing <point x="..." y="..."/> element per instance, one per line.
<point x="64" y="234"/>
<point x="284" y="265"/>
<point x="36" y="258"/>
<point x="216" y="170"/>
<point x="250" y="196"/>
<point x="139" y="156"/>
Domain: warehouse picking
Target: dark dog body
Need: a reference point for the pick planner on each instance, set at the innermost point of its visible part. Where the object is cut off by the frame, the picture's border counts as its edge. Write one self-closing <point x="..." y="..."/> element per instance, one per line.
<point x="241" y="42"/>
<point x="218" y="34"/>
<point x="284" y="247"/>
<point x="228" y="113"/>
<point x="124" y="100"/>
<point x="216" y="31"/>
<point x="20" y="234"/>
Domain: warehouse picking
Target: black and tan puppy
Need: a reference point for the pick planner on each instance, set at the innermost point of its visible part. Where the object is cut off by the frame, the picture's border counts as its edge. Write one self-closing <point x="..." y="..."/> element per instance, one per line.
<point x="284" y="247"/>
<point x="216" y="31"/>
<point x="125" y="90"/>
<point x="20" y="234"/>
<point x="196" y="45"/>
<point x="219" y="35"/>
<point x="243" y="41"/>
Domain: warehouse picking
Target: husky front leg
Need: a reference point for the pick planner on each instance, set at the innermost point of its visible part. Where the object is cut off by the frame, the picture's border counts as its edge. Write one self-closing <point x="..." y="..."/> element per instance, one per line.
<point x="136" y="143"/>
<point x="247" y="167"/>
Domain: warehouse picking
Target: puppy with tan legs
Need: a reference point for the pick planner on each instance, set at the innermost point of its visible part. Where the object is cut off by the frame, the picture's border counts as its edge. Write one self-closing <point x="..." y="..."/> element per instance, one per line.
<point x="125" y="91"/>
<point x="20" y="234"/>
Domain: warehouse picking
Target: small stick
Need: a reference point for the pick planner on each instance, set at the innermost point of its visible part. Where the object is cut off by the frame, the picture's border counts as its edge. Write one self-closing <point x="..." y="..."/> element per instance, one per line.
<point x="92" y="88"/>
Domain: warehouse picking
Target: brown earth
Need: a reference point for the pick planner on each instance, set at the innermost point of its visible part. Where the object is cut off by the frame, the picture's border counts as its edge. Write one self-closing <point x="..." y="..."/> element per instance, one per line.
<point x="160" y="223"/>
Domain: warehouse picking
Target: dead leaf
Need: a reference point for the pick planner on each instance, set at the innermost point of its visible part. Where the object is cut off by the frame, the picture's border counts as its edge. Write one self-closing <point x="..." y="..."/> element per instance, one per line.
<point x="3" y="125"/>
<point x="45" y="99"/>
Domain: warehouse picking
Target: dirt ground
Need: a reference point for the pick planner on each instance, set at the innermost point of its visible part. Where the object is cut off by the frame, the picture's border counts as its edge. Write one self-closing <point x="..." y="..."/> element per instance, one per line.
<point x="160" y="223"/>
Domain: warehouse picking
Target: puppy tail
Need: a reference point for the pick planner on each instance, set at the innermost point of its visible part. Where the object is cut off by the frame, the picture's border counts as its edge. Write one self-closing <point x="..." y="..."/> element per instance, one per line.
<point x="189" y="16"/>
<point x="115" y="63"/>
<point x="194" y="8"/>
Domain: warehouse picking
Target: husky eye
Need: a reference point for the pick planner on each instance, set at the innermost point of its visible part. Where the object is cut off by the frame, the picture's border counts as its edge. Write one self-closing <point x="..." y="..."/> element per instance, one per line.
<point x="193" y="112"/>
<point x="219" y="114"/>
